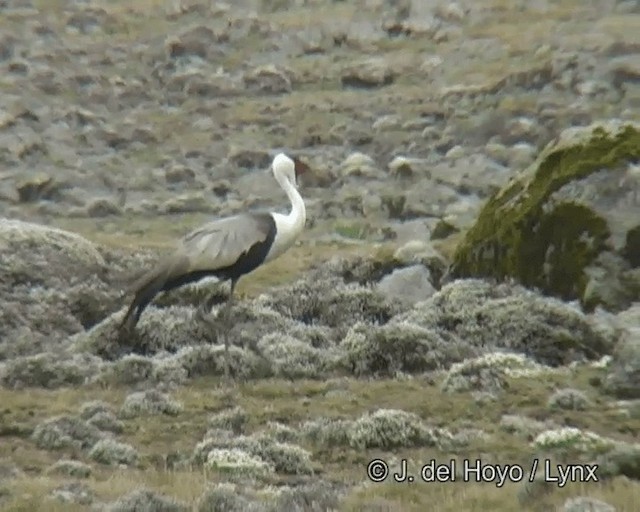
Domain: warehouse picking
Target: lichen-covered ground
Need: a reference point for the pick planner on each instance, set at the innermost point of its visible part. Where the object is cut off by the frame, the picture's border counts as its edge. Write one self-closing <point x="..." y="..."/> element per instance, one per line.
<point x="130" y="123"/>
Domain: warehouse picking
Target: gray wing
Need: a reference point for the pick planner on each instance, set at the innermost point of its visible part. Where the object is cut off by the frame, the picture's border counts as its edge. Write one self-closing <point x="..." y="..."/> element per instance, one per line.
<point x="220" y="243"/>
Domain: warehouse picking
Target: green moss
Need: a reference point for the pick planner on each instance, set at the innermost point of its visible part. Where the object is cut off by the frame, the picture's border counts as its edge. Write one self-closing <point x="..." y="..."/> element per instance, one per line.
<point x="354" y="231"/>
<point x="517" y="235"/>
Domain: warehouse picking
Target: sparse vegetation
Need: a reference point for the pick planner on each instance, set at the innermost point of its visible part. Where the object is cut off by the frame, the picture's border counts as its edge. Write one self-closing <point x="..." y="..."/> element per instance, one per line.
<point x="328" y="373"/>
<point x="110" y="452"/>
<point x="148" y="403"/>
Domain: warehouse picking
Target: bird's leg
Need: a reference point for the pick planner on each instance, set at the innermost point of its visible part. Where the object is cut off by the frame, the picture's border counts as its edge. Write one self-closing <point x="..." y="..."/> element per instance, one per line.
<point x="203" y="313"/>
<point x="204" y="309"/>
<point x="224" y="317"/>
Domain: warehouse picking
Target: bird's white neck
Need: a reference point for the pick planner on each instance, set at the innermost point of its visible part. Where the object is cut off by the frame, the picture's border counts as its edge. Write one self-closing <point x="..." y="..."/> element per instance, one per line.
<point x="298" y="214"/>
<point x="288" y="226"/>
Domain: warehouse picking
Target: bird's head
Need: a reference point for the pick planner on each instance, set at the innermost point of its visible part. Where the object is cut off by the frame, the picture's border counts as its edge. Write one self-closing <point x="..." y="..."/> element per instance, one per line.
<point x="289" y="168"/>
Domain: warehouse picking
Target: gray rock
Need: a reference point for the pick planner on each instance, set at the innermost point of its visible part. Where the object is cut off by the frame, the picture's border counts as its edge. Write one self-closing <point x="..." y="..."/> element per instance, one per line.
<point x="369" y="73"/>
<point x="625" y="70"/>
<point x="591" y="258"/>
<point x="37" y="187"/>
<point x="404" y="167"/>
<point x="361" y="166"/>
<point x="53" y="284"/>
<point x="623" y="379"/>
<point x="188" y="202"/>
<point x="450" y="11"/>
<point x="249" y="158"/>
<point x="103" y="207"/>
<point x="268" y="79"/>
<point x="410" y="231"/>
<point x="198" y="41"/>
<point x="521" y="155"/>
<point x="455" y="152"/>
<point x="178" y="173"/>
<point x="407" y="285"/>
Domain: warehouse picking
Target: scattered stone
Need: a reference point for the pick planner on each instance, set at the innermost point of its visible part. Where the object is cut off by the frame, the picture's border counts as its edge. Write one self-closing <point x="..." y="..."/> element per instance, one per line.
<point x="625" y="69"/>
<point x="178" y="173"/>
<point x="268" y="79"/>
<point x="249" y="158"/>
<point x="366" y="74"/>
<point x="455" y="152"/>
<point x="199" y="41"/>
<point x="407" y="285"/>
<point x="40" y="186"/>
<point x="450" y="11"/>
<point x="359" y="165"/>
<point x="103" y="207"/>
<point x="404" y="167"/>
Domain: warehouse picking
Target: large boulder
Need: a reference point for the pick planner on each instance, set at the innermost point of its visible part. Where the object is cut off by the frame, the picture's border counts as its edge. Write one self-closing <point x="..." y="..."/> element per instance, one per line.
<point x="52" y="284"/>
<point x="569" y="224"/>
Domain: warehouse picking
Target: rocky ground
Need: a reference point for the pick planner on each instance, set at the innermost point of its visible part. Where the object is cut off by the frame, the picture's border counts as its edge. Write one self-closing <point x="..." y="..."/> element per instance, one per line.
<point x="124" y="125"/>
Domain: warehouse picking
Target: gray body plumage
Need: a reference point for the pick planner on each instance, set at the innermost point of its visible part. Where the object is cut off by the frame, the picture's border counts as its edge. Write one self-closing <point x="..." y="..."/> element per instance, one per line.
<point x="226" y="248"/>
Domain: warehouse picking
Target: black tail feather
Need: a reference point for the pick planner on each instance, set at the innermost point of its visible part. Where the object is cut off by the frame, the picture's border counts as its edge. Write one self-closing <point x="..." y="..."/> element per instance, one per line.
<point x="169" y="274"/>
<point x="147" y="288"/>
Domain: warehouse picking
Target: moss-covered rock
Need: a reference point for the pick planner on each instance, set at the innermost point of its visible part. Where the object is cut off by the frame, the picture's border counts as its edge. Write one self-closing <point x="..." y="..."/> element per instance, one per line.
<point x="567" y="224"/>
